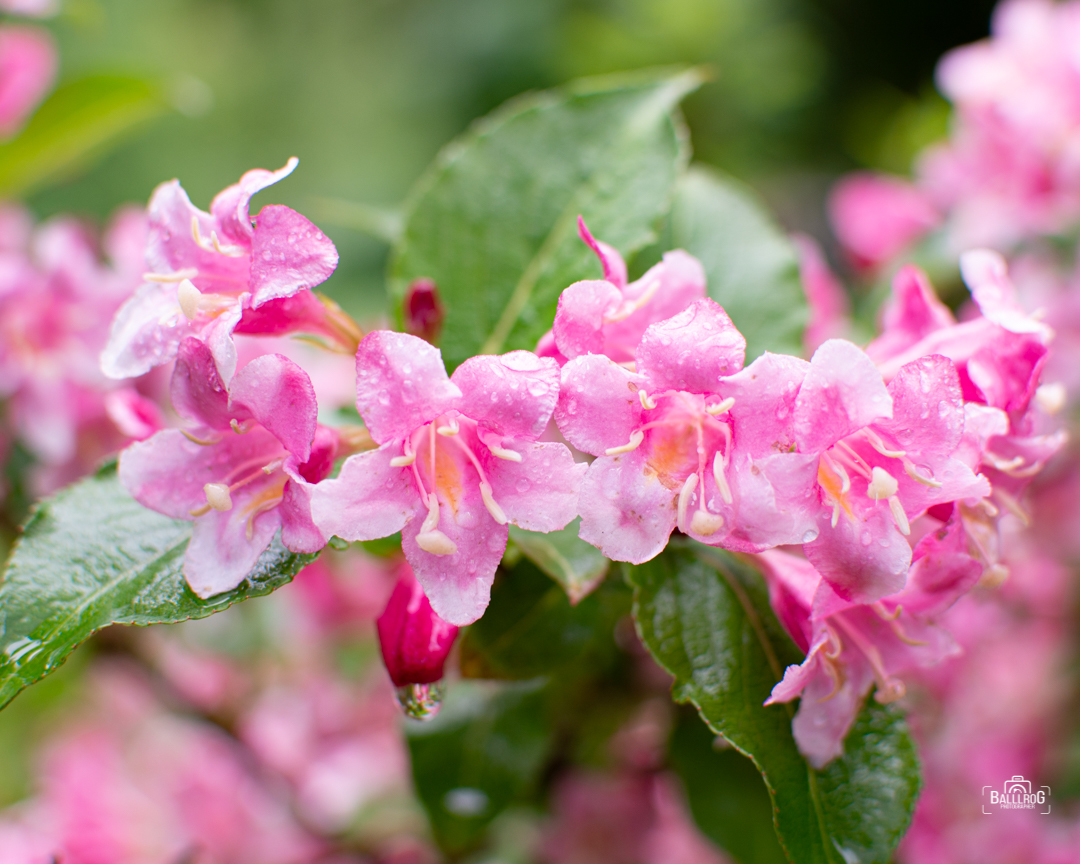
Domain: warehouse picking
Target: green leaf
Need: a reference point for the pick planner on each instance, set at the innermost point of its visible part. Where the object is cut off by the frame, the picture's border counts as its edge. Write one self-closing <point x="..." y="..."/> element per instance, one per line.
<point x="483" y="751"/>
<point x="704" y="616"/>
<point x="751" y="265"/>
<point x="576" y="565"/>
<point x="530" y="628"/>
<point x="72" y="126"/>
<point x="727" y="798"/>
<point x="494" y="220"/>
<point x="91" y="556"/>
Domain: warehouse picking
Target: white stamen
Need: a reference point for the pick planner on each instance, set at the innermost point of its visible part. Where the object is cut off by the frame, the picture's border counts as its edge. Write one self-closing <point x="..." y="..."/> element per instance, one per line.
<point x="230" y="251"/>
<point x="503" y="453"/>
<point x="431" y="521"/>
<point x="189" y="297"/>
<point x="882" y="484"/>
<point x="240" y="428"/>
<point x="492" y="505"/>
<point x="720" y="407"/>
<point x="217" y="496"/>
<point x="718" y="465"/>
<point x="684" y="497"/>
<point x="436" y="543"/>
<point x="909" y="467"/>
<point x="899" y="515"/>
<point x="835" y="514"/>
<point x="202" y="442"/>
<point x="403" y="461"/>
<point x="889" y="691"/>
<point x="451" y="428"/>
<point x="705" y="523"/>
<point x="647" y="402"/>
<point x="271" y="467"/>
<point x="178" y="276"/>
<point x="635" y="441"/>
<point x="1051" y="398"/>
<point x="629" y="307"/>
<point x="879" y="445"/>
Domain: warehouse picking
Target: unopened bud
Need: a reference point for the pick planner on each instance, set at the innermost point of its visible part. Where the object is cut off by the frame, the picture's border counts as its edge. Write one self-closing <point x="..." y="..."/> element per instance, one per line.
<point x="423" y="310"/>
<point x="414" y="640"/>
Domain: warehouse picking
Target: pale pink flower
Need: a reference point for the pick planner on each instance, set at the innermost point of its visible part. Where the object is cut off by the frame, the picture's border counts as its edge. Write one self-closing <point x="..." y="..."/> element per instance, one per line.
<point x="28" y="62"/>
<point x="458" y="461"/>
<point x="830" y="309"/>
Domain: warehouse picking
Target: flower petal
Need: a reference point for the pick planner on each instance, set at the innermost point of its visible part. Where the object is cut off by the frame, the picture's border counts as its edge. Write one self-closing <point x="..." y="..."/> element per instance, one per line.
<point x="288" y="254"/>
<point x="693" y="351"/>
<point x="368" y="499"/>
<point x="626" y="512"/>
<point x="842" y="392"/>
<point x="401" y="384"/>
<point x="598" y="404"/>
<point x="145" y="333"/>
<point x="539" y="493"/>
<point x="230" y="207"/>
<point x="941" y="572"/>
<point x="823" y="720"/>
<point x="912" y="313"/>
<point x="220" y="554"/>
<point x="610" y="259"/>
<point x="928" y="409"/>
<point x="579" y="318"/>
<point x="299" y="533"/>
<point x="197" y="391"/>
<point x="512" y="395"/>
<point x="862" y="561"/>
<point x="986" y="274"/>
<point x="279" y="395"/>
<point x="776" y="501"/>
<point x="764" y="409"/>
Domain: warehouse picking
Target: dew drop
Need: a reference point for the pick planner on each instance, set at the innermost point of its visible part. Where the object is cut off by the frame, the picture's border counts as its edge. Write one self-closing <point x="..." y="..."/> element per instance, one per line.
<point x="421" y="701"/>
<point x="866" y="538"/>
<point x="522" y="485"/>
<point x="810" y="536"/>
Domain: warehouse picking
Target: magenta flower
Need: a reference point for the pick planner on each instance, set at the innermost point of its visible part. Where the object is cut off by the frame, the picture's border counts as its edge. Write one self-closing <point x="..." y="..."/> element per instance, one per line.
<point x="830" y="309"/>
<point x="849" y="649"/>
<point x="415" y="642"/>
<point x="663" y="435"/>
<point x="458" y="461"/>
<point x="28" y="64"/>
<point x="608" y="316"/>
<point x="215" y="273"/>
<point x="886" y="455"/>
<point x="244" y="469"/>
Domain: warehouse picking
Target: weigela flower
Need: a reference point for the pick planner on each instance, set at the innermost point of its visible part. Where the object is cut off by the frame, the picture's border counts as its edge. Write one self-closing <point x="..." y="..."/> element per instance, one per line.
<point x="28" y="64"/>
<point x="608" y="316"/>
<point x="662" y="434"/>
<point x="243" y="470"/>
<point x="851" y="648"/>
<point x="213" y="274"/>
<point x="415" y="642"/>
<point x="458" y="460"/>
<point x="830" y="309"/>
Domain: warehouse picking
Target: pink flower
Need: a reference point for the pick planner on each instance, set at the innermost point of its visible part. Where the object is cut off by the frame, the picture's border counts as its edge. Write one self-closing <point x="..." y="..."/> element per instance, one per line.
<point x="245" y="470"/>
<point x="31" y="8"/>
<point x="458" y="461"/>
<point x="830" y="310"/>
<point x="849" y="649"/>
<point x="415" y="642"/>
<point x="608" y="316"/>
<point x="27" y="69"/>
<point x="663" y="435"/>
<point x="876" y="217"/>
<point x="216" y="273"/>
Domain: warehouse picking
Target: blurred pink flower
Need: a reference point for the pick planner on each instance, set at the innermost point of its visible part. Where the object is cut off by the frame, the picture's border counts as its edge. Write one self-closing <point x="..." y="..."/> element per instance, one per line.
<point x="28" y="62"/>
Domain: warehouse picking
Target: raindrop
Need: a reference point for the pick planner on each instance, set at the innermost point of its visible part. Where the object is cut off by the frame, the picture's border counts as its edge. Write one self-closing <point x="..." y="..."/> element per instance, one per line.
<point x="810" y="536"/>
<point x="420" y="701"/>
<point x="523" y="485"/>
<point x="866" y="538"/>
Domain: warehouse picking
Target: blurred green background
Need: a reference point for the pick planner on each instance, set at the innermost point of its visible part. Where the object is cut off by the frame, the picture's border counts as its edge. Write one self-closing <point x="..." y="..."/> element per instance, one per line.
<point x="365" y="92"/>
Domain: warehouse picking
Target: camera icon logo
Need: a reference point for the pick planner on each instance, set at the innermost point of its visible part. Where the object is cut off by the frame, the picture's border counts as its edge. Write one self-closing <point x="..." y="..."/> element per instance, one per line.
<point x="1016" y="794"/>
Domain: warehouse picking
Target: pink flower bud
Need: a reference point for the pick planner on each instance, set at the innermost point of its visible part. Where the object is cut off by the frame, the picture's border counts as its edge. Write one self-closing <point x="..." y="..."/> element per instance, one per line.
<point x="424" y="313"/>
<point x="414" y="640"/>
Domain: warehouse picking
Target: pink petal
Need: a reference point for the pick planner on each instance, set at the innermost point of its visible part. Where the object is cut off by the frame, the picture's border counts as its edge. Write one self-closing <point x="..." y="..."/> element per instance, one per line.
<point x="580" y="316"/>
<point x="598" y="404"/>
<point x="842" y="392"/>
<point x="279" y="395"/>
<point x="1006" y="371"/>
<point x="401" y="384"/>
<point x="171" y="246"/>
<point x="369" y="499"/>
<point x="626" y="512"/>
<point x="230" y="207"/>
<point x="693" y="351"/>
<point x="299" y="533"/>
<point x="539" y="493"/>
<point x="197" y="391"/>
<point x="288" y="254"/>
<point x="145" y="333"/>
<point x="928" y="409"/>
<point x="986" y="274"/>
<point x="912" y="313"/>
<point x="830" y="309"/>
<point x="676" y="282"/>
<point x="302" y="312"/>
<point x="459" y="585"/>
<point x="822" y="723"/>
<point x="220" y="554"/>
<point x="764" y="409"/>
<point x="862" y="562"/>
<point x="414" y="640"/>
<point x="28" y="62"/>
<point x="133" y="414"/>
<point x="610" y="259"/>
<point x="942" y="571"/>
<point x="512" y="395"/>
<point x="776" y="500"/>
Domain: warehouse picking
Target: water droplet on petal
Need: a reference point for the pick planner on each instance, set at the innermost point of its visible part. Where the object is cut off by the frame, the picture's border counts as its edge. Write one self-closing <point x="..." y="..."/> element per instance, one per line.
<point x="810" y="536"/>
<point x="866" y="538"/>
<point x="420" y="701"/>
<point x="522" y="485"/>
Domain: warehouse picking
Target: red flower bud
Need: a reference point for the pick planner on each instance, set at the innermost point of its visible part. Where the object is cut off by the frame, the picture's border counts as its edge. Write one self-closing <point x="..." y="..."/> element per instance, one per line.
<point x="415" y="641"/>
<point x="424" y="311"/>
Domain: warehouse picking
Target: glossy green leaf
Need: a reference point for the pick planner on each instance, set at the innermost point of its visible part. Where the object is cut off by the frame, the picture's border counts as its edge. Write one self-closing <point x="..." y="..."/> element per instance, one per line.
<point x="576" y="565"/>
<point x="483" y="751"/>
<point x="705" y="617"/>
<point x="530" y="628"/>
<point x="91" y="556"/>
<point x="72" y="126"/>
<point x="751" y="265"/>
<point x="494" y="221"/>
